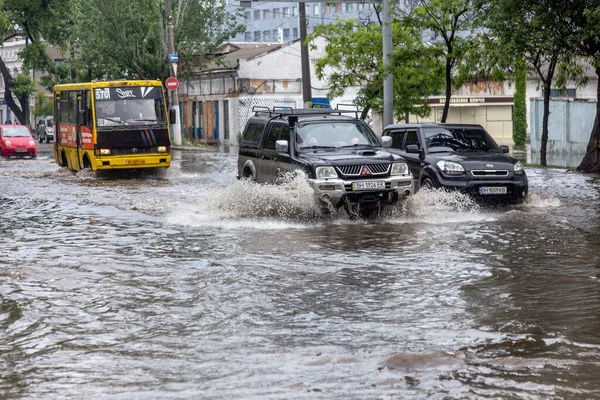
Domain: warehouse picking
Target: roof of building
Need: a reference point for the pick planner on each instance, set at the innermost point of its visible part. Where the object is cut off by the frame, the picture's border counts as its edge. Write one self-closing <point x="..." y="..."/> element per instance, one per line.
<point x="232" y="52"/>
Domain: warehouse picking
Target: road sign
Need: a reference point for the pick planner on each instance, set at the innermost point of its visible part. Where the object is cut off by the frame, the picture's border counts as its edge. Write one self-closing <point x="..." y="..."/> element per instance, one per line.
<point x="172" y="83"/>
<point x="174" y="58"/>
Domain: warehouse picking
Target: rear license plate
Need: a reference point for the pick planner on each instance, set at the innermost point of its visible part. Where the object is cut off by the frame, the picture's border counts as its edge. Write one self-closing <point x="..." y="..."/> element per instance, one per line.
<point x="135" y="161"/>
<point x="492" y="190"/>
<point x="367" y="185"/>
<point x="20" y="150"/>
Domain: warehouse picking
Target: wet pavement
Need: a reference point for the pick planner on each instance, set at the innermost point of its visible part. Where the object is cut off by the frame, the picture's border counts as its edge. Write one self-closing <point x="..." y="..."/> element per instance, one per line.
<point x="191" y="284"/>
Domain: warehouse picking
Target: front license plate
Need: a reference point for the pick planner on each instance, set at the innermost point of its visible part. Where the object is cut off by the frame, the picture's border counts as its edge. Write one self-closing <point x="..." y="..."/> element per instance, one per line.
<point x="136" y="161"/>
<point x="20" y="150"/>
<point x="492" y="190"/>
<point x="367" y="185"/>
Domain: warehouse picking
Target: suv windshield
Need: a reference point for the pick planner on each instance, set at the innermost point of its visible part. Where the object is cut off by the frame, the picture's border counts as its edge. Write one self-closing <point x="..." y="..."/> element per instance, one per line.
<point x="334" y="134"/>
<point x="458" y="139"/>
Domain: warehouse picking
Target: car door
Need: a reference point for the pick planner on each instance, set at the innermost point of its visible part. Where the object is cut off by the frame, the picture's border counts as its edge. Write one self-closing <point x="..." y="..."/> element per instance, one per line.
<point x="283" y="162"/>
<point x="400" y="139"/>
<point x="268" y="158"/>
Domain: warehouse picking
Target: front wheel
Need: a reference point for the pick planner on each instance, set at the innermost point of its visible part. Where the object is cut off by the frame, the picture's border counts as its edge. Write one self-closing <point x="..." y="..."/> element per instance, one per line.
<point x="427" y="183"/>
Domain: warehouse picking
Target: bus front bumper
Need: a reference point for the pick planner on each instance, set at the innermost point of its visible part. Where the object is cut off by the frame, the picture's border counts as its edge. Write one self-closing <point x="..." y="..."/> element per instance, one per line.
<point x="130" y="161"/>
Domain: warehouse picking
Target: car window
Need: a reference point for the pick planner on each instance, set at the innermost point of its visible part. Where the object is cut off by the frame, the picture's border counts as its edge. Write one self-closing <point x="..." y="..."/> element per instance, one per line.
<point x="253" y="132"/>
<point x="459" y="139"/>
<point x="397" y="139"/>
<point x="412" y="137"/>
<point x="272" y="136"/>
<point x="335" y="134"/>
<point x="15" y="131"/>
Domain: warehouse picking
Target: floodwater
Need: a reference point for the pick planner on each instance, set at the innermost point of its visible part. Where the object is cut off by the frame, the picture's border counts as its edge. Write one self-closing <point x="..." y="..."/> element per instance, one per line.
<point x="190" y="284"/>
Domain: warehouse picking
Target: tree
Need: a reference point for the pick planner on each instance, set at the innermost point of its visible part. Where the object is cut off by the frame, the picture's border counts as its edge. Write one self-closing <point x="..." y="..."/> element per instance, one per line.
<point x="353" y="58"/>
<point x="452" y="21"/>
<point x="529" y="28"/>
<point x="581" y="19"/>
<point x="32" y="20"/>
<point x="520" y="107"/>
<point x="132" y="43"/>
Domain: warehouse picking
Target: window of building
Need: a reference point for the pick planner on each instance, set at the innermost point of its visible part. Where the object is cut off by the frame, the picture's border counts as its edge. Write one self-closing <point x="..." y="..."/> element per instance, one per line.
<point x="247" y="15"/>
<point x="295" y="33"/>
<point x="247" y="36"/>
<point x="561" y="93"/>
<point x="286" y="12"/>
<point x="338" y="7"/>
<point x="266" y="36"/>
<point x="286" y="34"/>
<point x="266" y="14"/>
<point x="349" y="6"/>
<point x="275" y="35"/>
<point x="316" y="9"/>
<point x="295" y="11"/>
<point x="276" y="13"/>
<point x="256" y="14"/>
<point x="257" y="36"/>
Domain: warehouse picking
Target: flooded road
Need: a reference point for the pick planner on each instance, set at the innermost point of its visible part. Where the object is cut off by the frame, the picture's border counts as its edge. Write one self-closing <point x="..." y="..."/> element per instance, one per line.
<point x="190" y="284"/>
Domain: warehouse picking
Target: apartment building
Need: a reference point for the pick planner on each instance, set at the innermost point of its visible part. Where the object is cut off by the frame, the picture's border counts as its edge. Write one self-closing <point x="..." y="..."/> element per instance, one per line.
<point x="278" y="22"/>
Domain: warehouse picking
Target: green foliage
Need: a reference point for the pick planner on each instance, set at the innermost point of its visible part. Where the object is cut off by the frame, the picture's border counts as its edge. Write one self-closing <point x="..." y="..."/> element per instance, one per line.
<point x="415" y="71"/>
<point x="22" y="86"/>
<point x="43" y="104"/>
<point x="520" y="107"/>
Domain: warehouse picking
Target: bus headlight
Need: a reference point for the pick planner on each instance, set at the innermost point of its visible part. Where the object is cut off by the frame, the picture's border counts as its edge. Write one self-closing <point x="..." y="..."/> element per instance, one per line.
<point x="104" y="152"/>
<point x="162" y="149"/>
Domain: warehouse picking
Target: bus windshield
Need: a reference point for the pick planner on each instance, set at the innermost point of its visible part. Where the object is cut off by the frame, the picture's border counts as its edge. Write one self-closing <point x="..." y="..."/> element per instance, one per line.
<point x="129" y="106"/>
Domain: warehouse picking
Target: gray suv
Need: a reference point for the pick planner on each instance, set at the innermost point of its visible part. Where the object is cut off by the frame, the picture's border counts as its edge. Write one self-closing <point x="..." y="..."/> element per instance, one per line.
<point x="345" y="163"/>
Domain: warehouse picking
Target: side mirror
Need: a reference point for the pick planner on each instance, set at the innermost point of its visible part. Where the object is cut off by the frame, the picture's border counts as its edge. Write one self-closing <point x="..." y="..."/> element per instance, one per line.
<point x="172" y="117"/>
<point x="414" y="149"/>
<point x="281" y="146"/>
<point x="386" y="141"/>
<point x="504" y="149"/>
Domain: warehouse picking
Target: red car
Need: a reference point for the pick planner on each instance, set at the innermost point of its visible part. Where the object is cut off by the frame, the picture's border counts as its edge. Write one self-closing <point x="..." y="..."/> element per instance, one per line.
<point x="17" y="141"/>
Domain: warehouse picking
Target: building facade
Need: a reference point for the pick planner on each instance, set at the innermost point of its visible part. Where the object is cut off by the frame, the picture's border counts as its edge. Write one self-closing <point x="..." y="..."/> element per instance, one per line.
<point x="9" y="52"/>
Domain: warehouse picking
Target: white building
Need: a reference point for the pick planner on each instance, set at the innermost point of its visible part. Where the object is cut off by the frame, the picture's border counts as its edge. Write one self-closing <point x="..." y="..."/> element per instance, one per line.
<point x="9" y="52"/>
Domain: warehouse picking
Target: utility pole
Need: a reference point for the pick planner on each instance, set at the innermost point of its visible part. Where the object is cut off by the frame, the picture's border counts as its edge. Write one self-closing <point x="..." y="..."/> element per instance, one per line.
<point x="306" y="87"/>
<point x="174" y="95"/>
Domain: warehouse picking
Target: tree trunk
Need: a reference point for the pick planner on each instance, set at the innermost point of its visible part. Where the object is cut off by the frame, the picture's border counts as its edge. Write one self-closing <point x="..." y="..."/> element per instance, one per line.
<point x="448" y="90"/>
<point x="591" y="160"/>
<point x="8" y="96"/>
<point x="545" y="118"/>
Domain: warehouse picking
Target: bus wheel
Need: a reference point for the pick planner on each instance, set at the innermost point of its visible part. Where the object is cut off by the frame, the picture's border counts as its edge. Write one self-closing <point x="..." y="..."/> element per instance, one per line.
<point x="87" y="165"/>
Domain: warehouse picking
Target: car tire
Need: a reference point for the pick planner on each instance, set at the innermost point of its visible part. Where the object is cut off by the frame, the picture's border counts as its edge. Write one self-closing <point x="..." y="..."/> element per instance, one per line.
<point x="428" y="183"/>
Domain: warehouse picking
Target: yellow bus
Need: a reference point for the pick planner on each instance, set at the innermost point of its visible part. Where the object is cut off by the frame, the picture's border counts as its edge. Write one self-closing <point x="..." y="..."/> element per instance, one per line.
<point x="105" y="125"/>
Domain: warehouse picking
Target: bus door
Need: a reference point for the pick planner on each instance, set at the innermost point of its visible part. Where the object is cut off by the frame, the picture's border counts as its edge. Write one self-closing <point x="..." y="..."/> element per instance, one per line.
<point x="57" y="127"/>
<point x="82" y="126"/>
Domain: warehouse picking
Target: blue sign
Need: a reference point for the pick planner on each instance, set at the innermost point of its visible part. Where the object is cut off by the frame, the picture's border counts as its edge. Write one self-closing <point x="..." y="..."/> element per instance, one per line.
<point x="174" y="57"/>
<point x="2" y="101"/>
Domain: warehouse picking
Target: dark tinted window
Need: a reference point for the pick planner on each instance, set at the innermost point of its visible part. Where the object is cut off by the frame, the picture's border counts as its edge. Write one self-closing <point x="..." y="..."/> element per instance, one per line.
<point x="285" y="133"/>
<point x="412" y="137"/>
<point x="253" y="132"/>
<point x="459" y="139"/>
<point x="397" y="138"/>
<point x="272" y="137"/>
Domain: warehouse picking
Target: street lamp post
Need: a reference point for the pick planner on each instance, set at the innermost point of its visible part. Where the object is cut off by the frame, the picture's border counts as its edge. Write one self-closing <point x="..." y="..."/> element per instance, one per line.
<point x="173" y="73"/>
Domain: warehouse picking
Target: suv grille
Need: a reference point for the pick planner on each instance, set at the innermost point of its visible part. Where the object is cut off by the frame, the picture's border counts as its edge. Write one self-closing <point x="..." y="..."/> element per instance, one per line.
<point x="489" y="172"/>
<point x="357" y="170"/>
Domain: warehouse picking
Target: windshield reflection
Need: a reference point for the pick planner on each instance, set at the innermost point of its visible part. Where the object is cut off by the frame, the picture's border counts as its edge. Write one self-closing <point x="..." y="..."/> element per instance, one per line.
<point x="130" y="112"/>
<point x="334" y="134"/>
<point x="459" y="139"/>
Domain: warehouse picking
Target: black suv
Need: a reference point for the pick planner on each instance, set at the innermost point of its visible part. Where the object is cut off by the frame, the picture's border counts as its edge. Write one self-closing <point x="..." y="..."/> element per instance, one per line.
<point x="459" y="156"/>
<point x="344" y="161"/>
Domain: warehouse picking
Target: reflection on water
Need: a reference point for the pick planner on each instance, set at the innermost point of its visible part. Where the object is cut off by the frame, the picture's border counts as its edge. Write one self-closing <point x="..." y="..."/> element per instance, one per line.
<point x="192" y="284"/>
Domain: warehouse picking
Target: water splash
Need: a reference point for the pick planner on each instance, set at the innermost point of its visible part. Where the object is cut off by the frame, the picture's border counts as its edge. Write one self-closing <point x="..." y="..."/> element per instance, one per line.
<point x="537" y="201"/>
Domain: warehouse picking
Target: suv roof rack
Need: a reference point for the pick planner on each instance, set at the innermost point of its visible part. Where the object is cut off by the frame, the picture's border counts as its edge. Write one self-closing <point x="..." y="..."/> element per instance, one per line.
<point x="286" y="111"/>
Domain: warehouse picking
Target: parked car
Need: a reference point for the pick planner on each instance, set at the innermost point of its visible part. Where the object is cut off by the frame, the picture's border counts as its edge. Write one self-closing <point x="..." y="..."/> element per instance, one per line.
<point x="45" y="130"/>
<point x="345" y="163"/>
<point x="17" y="141"/>
<point x="459" y="156"/>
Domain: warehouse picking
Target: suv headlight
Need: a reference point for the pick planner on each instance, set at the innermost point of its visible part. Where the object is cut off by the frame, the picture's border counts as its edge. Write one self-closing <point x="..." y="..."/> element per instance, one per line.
<point x="450" y="168"/>
<point x="518" y="168"/>
<point x="399" y="169"/>
<point x="325" y="172"/>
